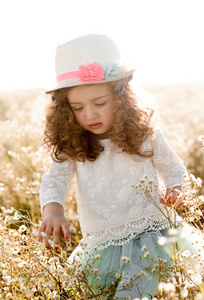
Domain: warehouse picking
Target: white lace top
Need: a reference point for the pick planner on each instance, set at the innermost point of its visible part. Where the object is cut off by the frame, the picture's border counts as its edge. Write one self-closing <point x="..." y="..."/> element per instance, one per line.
<point x="110" y="211"/>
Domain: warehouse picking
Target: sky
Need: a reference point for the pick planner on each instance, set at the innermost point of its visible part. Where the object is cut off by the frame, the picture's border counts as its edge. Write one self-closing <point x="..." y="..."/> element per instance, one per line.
<point x="161" y="39"/>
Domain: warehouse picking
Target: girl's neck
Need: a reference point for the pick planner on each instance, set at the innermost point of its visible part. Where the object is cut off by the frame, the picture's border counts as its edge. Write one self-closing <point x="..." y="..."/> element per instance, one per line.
<point x="102" y="136"/>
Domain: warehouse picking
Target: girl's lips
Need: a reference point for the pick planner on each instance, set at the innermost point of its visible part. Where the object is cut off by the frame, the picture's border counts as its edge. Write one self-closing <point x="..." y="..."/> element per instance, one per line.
<point x="95" y="125"/>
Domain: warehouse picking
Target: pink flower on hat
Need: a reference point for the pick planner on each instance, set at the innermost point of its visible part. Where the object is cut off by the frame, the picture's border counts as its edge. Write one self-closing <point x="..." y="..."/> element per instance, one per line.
<point x="91" y="72"/>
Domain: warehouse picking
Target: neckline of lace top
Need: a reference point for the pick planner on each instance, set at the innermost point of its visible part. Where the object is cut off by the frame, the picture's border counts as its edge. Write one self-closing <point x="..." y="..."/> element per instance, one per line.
<point x="105" y="142"/>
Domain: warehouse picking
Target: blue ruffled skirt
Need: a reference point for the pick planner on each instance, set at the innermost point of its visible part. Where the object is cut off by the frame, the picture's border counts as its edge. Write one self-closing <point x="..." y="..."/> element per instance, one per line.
<point x="144" y="285"/>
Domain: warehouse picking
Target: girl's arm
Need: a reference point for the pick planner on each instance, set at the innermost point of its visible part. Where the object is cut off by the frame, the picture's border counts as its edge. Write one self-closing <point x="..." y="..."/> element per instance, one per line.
<point x="53" y="192"/>
<point x="170" y="168"/>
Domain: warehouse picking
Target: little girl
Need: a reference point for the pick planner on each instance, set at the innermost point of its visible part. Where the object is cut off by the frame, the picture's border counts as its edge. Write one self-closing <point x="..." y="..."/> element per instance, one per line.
<point x="96" y="131"/>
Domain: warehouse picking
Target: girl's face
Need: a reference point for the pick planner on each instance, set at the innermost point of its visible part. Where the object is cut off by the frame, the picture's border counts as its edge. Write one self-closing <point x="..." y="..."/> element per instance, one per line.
<point x="92" y="106"/>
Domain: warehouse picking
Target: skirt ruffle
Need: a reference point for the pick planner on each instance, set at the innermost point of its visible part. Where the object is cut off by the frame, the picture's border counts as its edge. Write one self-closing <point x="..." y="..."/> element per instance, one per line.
<point x="146" y="284"/>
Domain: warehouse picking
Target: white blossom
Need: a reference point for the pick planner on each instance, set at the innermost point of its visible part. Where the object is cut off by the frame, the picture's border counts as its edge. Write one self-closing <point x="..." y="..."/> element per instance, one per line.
<point x="54" y="260"/>
<point x="125" y="259"/>
<point x="186" y="254"/>
<point x="162" y="240"/>
<point x="6" y="243"/>
<point x="184" y="293"/>
<point x="146" y="254"/>
<point x="170" y="287"/>
<point x="161" y="286"/>
<point x="172" y="231"/>
<point x="16" y="216"/>
<point x="72" y="229"/>
<point x="40" y="244"/>
<point x="35" y="233"/>
<point x="22" y="228"/>
<point x="183" y="235"/>
<point x="52" y="243"/>
<point x="201" y="138"/>
<point x="43" y="234"/>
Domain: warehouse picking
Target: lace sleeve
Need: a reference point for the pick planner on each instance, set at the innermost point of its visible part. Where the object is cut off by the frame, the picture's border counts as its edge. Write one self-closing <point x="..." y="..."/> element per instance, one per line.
<point x="56" y="183"/>
<point x="169" y="166"/>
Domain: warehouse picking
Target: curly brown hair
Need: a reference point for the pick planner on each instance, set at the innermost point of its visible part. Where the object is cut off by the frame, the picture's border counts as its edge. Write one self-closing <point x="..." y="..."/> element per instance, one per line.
<point x="65" y="138"/>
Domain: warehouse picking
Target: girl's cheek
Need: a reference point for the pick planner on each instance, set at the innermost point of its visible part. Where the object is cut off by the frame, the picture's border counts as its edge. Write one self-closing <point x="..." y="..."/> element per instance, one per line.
<point x="78" y="120"/>
<point x="78" y="116"/>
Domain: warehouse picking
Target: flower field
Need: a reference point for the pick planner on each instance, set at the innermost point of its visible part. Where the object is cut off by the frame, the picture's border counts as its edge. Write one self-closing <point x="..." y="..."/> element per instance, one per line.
<point x="27" y="269"/>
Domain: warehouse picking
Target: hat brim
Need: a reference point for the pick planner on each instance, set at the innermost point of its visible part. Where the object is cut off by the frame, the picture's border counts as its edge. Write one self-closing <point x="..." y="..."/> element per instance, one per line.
<point x="76" y="82"/>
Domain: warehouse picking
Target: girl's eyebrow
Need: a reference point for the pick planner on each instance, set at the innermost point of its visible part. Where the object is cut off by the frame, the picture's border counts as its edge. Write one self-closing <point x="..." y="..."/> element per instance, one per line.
<point x="97" y="98"/>
<point x="100" y="97"/>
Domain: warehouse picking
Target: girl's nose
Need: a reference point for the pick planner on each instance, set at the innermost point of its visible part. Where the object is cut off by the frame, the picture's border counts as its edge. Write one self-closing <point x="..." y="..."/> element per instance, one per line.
<point x="90" y="113"/>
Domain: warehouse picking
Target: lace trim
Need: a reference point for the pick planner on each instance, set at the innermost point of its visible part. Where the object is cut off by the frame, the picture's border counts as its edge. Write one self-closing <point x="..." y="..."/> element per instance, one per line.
<point x="122" y="235"/>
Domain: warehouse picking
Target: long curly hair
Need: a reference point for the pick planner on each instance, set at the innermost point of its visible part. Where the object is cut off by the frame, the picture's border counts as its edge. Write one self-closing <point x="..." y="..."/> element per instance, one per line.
<point x="65" y="138"/>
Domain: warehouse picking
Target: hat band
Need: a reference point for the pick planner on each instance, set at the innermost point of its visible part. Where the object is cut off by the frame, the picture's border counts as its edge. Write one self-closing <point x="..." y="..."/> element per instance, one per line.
<point x="89" y="73"/>
<point x="67" y="75"/>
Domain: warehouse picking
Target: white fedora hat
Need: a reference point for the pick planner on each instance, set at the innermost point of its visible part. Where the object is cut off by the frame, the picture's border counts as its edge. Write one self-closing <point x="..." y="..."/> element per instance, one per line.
<point x="88" y="59"/>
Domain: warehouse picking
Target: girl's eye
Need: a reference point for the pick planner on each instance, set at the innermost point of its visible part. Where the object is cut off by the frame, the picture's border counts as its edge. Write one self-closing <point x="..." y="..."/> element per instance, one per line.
<point x="100" y="104"/>
<point x="77" y="108"/>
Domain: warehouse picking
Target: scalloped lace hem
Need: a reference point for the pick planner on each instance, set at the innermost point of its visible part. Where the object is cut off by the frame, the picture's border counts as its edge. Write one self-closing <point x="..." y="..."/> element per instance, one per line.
<point x="120" y="236"/>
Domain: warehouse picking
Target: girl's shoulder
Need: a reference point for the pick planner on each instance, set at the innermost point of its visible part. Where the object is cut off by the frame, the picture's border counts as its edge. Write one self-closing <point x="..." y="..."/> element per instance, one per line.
<point x="157" y="133"/>
<point x="156" y="137"/>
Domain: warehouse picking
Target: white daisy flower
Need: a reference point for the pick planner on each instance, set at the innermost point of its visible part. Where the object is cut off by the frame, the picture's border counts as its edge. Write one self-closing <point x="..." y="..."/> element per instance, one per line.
<point x="43" y="234"/>
<point x="125" y="259"/>
<point x="22" y="228"/>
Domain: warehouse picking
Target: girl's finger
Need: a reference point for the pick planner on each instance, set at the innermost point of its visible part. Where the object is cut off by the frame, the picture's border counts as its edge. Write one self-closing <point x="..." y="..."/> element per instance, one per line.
<point x="175" y="194"/>
<point x="56" y="235"/>
<point x="41" y="229"/>
<point x="166" y="201"/>
<point x="178" y="201"/>
<point x="169" y="199"/>
<point x="161" y="200"/>
<point x="66" y="233"/>
<point x="48" y="232"/>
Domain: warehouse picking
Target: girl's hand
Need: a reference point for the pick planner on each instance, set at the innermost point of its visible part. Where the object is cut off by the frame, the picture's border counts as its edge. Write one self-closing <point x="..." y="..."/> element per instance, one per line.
<point x="171" y="198"/>
<point x="54" y="224"/>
